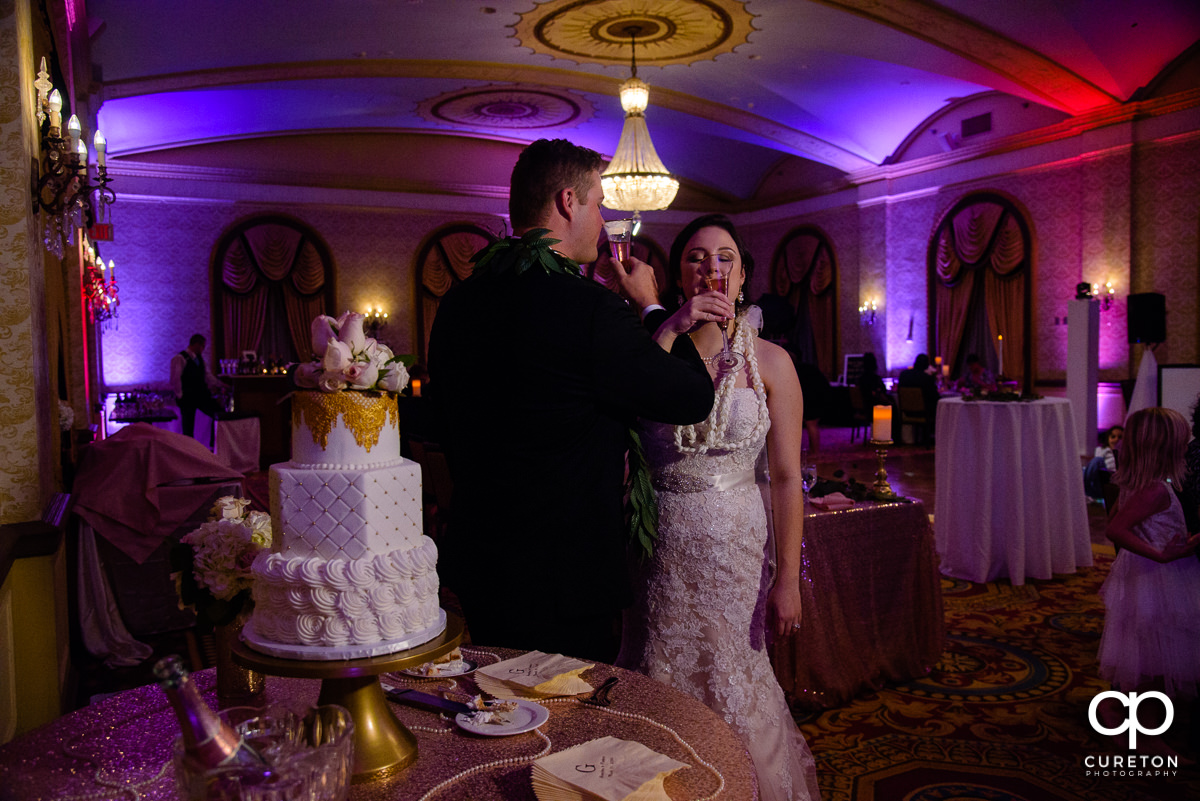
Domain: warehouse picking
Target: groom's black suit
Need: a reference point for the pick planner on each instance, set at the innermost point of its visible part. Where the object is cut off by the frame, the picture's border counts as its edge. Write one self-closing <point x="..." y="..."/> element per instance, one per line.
<point x="535" y="380"/>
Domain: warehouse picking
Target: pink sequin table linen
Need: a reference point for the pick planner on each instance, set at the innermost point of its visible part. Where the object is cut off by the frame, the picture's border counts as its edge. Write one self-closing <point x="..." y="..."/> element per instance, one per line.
<point x="872" y="604"/>
<point x="120" y="748"/>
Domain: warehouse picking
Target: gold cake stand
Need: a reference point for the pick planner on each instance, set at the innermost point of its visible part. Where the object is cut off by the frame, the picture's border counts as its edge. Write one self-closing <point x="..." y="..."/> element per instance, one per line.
<point x="382" y="744"/>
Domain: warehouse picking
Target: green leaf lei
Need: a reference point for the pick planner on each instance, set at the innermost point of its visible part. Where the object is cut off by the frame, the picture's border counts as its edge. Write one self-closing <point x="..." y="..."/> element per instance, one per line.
<point x="515" y="255"/>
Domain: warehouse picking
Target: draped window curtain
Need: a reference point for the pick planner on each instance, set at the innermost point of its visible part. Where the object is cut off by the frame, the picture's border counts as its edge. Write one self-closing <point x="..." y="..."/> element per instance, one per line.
<point x="803" y="274"/>
<point x="263" y="257"/>
<point x="982" y="242"/>
<point x="444" y="262"/>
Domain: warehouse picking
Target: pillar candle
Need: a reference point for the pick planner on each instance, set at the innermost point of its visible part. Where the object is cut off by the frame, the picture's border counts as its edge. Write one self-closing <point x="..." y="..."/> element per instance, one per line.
<point x="416" y="387"/>
<point x="945" y="371"/>
<point x="1000" y="349"/>
<point x="881" y="423"/>
<point x="937" y="360"/>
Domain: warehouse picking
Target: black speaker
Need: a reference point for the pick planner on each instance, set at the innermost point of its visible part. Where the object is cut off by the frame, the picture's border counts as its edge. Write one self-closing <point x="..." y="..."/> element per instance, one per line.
<point x="1147" y="317"/>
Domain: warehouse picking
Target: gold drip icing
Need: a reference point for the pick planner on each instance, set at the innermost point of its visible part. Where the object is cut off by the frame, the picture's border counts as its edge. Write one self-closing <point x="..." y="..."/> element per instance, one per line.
<point x="363" y="415"/>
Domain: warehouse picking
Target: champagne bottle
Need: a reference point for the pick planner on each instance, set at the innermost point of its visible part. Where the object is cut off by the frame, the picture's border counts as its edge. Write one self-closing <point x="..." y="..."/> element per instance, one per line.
<point x="208" y="741"/>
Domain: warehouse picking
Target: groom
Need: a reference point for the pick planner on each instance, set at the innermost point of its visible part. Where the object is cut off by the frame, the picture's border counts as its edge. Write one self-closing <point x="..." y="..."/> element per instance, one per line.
<point x="535" y="376"/>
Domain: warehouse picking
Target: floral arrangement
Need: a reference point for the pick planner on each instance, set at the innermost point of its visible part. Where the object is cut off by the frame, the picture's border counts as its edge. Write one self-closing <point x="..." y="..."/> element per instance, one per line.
<point x="1000" y="396"/>
<point x="213" y="562"/>
<point x="344" y="357"/>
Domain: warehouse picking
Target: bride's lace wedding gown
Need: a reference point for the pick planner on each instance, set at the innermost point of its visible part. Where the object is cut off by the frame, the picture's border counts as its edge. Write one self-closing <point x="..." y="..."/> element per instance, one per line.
<point x="691" y="626"/>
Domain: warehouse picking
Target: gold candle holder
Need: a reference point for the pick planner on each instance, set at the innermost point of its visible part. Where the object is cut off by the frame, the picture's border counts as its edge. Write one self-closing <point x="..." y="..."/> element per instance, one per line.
<point x="881" y="486"/>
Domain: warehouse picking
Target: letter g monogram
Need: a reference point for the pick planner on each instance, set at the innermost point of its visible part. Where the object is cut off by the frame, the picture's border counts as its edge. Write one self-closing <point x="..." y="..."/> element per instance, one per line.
<point x="1132" y="723"/>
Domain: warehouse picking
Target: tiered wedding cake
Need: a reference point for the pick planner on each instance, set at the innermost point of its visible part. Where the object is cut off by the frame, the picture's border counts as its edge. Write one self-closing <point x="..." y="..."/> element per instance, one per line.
<point x="350" y="573"/>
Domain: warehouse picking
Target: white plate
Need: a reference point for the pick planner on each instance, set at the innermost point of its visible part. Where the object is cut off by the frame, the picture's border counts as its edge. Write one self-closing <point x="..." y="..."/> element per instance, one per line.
<point x="527" y="717"/>
<point x="466" y="666"/>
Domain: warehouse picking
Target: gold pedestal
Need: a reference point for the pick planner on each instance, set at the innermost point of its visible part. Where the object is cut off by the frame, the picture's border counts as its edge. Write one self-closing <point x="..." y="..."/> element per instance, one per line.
<point x="881" y="485"/>
<point x="382" y="745"/>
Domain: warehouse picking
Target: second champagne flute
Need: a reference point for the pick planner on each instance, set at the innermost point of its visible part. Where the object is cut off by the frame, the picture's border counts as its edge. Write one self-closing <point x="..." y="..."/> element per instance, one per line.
<point x="727" y="359"/>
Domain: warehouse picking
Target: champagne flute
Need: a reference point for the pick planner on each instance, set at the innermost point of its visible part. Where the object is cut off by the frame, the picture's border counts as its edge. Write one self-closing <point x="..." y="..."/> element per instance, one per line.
<point x="620" y="237"/>
<point x="727" y="360"/>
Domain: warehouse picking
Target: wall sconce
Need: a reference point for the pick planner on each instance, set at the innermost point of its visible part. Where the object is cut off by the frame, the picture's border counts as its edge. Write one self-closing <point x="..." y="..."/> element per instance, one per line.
<point x="61" y="181"/>
<point x="376" y="321"/>
<point x="866" y="312"/>
<point x="1106" y="296"/>
<point x="99" y="294"/>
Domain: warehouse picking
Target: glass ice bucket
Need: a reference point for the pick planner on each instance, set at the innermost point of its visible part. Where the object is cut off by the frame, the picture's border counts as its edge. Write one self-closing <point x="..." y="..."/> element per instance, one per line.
<point x="310" y="757"/>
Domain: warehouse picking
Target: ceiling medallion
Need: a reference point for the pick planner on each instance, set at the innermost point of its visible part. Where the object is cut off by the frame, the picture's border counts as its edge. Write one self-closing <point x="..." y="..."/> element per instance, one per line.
<point x="597" y="31"/>
<point x="512" y="107"/>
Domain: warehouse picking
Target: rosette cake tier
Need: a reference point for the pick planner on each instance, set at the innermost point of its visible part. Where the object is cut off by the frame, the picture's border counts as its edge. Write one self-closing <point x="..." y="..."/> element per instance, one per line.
<point x="350" y="574"/>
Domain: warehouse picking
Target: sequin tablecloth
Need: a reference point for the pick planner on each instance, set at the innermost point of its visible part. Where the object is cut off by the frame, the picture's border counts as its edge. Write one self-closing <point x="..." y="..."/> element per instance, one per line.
<point x="120" y="748"/>
<point x="872" y="604"/>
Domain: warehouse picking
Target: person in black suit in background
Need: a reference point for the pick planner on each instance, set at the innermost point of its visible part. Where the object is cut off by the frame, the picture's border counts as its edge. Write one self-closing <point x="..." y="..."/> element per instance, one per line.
<point x="536" y="375"/>
<point x="919" y="376"/>
<point x="193" y="384"/>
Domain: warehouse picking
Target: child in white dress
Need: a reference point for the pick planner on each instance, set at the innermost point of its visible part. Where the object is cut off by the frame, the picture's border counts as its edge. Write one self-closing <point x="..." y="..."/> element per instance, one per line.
<point x="1152" y="594"/>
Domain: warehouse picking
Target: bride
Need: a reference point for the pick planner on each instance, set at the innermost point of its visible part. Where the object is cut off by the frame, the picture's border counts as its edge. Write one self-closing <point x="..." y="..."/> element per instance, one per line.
<point x="693" y="626"/>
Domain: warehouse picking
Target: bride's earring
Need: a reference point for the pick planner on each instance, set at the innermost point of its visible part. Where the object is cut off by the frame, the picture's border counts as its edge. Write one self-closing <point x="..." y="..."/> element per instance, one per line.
<point x="741" y="297"/>
<point x="679" y="300"/>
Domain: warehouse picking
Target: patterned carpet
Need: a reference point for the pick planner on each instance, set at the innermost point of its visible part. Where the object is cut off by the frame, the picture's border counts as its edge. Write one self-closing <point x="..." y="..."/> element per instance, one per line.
<point x="1003" y="715"/>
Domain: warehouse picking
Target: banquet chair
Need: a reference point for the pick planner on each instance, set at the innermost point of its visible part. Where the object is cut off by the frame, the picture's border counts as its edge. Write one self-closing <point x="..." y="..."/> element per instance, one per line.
<point x="913" y="412"/>
<point x="859" y="419"/>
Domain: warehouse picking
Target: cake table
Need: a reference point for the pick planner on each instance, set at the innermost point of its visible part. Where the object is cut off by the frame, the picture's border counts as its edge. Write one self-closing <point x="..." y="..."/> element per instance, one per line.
<point x="382" y="744"/>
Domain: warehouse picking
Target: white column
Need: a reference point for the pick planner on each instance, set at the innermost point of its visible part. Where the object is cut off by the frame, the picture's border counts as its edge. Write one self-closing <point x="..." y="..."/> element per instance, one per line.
<point x="1083" y="367"/>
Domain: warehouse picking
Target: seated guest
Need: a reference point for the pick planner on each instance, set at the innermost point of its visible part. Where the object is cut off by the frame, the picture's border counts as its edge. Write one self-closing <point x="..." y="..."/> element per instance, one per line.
<point x="874" y="392"/>
<point x="976" y="377"/>
<point x="919" y="376"/>
<point x="1103" y="463"/>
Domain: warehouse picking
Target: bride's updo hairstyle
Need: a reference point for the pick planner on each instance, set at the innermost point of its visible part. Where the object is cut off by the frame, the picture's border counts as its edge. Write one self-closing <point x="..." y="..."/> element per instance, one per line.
<point x="675" y="263"/>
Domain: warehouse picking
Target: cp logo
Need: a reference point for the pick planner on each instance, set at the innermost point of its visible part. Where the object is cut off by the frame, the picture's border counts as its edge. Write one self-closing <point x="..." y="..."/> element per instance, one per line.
<point x="1132" y="723"/>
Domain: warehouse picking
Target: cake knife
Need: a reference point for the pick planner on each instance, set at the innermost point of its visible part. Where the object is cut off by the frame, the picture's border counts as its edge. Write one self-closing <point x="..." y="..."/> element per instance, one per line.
<point x="404" y="695"/>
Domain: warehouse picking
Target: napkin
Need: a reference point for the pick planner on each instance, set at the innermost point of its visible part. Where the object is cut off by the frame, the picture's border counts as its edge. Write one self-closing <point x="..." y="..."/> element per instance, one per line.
<point x="533" y="675"/>
<point x="832" y="502"/>
<point x="607" y="769"/>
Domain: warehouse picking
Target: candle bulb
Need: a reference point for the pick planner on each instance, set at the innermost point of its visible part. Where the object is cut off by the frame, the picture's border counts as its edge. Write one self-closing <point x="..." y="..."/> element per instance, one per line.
<point x="74" y="129"/>
<point x="55" y="103"/>
<point x="112" y="268"/>
<point x="101" y="145"/>
<point x="881" y="424"/>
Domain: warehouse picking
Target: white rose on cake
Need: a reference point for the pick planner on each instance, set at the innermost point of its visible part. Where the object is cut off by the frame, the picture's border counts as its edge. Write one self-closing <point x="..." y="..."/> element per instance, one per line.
<point x="344" y="357"/>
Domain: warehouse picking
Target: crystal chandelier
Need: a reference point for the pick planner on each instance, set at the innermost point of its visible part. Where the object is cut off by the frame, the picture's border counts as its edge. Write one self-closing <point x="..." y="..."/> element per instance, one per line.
<point x="636" y="179"/>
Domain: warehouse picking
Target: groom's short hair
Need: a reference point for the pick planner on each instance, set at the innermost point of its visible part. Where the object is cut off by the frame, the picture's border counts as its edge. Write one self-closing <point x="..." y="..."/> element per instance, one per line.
<point x="542" y="170"/>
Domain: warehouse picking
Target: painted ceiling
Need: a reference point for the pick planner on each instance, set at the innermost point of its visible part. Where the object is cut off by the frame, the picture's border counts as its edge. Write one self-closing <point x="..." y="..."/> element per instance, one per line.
<point x="439" y="95"/>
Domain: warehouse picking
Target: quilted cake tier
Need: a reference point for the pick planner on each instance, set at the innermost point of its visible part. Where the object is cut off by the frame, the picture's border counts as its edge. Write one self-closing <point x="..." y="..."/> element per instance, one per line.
<point x="336" y="514"/>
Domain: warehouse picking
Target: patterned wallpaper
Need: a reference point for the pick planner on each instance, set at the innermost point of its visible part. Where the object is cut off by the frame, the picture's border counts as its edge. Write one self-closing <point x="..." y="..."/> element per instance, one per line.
<point x="1166" y="242"/>
<point x="1127" y="215"/>
<point x="1090" y="214"/>
<point x="24" y="432"/>
<point x="162" y="250"/>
